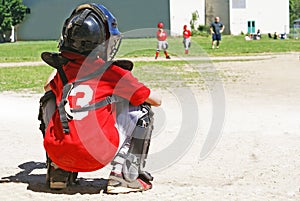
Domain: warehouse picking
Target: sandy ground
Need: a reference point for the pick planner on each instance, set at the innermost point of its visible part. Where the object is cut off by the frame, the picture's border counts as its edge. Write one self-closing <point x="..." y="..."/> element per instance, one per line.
<point x="256" y="158"/>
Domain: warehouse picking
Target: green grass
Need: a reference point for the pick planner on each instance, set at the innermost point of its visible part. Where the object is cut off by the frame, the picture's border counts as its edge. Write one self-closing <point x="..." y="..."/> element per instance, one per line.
<point x="145" y="47"/>
<point x="174" y="74"/>
<point x="154" y="73"/>
<point x="29" y="78"/>
<point x="236" y="45"/>
<point x="25" y="50"/>
<point x="201" y="46"/>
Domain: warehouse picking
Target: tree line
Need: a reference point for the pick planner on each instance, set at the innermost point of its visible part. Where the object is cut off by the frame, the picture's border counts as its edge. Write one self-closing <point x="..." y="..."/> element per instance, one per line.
<point x="294" y="10"/>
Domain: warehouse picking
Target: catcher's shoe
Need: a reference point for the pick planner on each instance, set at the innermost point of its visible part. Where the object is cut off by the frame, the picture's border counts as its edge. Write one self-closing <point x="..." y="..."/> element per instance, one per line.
<point x="58" y="178"/>
<point x="118" y="185"/>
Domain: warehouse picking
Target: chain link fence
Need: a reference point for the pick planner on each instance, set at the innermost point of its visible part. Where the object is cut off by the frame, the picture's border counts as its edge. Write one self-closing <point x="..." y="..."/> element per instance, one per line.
<point x="295" y="31"/>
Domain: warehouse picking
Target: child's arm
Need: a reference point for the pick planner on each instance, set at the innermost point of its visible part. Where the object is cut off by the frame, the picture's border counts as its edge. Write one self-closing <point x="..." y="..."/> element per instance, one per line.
<point x="154" y="99"/>
<point x="47" y="84"/>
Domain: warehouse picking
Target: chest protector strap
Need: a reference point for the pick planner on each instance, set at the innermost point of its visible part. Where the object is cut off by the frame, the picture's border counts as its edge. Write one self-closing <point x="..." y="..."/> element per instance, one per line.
<point x="65" y="112"/>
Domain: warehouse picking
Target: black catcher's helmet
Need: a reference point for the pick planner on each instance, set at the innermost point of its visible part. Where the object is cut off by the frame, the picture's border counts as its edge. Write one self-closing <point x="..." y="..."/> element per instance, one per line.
<point x="91" y="30"/>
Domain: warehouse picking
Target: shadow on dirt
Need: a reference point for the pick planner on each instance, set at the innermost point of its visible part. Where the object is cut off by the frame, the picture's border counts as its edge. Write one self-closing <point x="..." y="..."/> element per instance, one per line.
<point x="37" y="182"/>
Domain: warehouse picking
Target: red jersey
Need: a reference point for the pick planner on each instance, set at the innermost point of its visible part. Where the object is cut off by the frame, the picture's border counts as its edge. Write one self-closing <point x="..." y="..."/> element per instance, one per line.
<point x="186" y="33"/>
<point x="93" y="139"/>
<point x="161" y="35"/>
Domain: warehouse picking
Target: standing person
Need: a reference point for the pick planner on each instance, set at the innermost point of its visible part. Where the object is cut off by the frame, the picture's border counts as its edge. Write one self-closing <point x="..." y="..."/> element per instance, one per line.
<point x="162" y="42"/>
<point x="98" y="113"/>
<point x="186" y="39"/>
<point x="216" y="29"/>
<point x="258" y="34"/>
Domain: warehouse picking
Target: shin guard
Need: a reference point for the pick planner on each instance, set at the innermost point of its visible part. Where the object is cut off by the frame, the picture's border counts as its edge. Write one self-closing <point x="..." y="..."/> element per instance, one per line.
<point x="139" y="147"/>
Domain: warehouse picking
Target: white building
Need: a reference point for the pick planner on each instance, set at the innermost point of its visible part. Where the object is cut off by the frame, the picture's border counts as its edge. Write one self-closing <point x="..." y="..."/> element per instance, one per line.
<point x="237" y="15"/>
<point x="181" y="14"/>
<point x="267" y="15"/>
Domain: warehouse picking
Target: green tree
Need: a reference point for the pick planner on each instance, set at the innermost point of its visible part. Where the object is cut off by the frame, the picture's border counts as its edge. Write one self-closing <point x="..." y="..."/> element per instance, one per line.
<point x="12" y="13"/>
<point x="294" y="10"/>
<point x="194" y="19"/>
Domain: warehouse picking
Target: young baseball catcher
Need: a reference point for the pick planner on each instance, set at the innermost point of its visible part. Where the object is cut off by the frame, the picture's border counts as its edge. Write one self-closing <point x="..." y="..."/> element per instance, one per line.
<point x="94" y="111"/>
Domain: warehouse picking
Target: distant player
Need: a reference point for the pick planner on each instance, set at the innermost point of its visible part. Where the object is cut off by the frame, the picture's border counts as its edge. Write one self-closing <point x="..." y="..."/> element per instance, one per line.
<point x="216" y="29"/>
<point x="186" y="39"/>
<point x="162" y="43"/>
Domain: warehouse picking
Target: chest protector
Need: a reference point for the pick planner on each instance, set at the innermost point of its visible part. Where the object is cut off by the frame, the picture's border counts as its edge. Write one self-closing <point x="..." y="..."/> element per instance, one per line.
<point x="74" y="139"/>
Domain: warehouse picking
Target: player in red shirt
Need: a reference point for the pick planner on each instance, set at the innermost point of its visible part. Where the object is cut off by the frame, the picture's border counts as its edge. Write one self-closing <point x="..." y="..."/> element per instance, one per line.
<point x="186" y="39"/>
<point x="162" y="42"/>
<point x="97" y="104"/>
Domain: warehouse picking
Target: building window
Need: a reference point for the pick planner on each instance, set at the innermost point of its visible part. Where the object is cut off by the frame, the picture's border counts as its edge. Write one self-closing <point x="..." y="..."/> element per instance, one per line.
<point x="238" y="3"/>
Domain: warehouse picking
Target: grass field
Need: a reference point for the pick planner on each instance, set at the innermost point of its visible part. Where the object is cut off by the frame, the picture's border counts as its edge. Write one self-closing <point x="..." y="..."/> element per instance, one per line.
<point x="153" y="72"/>
<point x="230" y="45"/>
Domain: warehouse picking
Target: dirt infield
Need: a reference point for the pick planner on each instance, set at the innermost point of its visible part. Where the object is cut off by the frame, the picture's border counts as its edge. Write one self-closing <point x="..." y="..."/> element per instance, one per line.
<point x="257" y="157"/>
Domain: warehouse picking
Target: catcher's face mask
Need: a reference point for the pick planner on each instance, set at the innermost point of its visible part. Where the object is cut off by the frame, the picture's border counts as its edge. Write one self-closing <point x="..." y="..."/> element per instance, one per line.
<point x="114" y="41"/>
